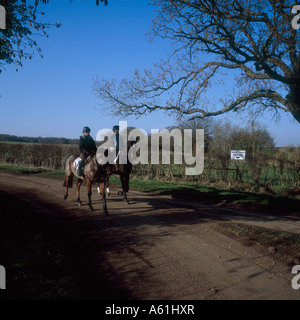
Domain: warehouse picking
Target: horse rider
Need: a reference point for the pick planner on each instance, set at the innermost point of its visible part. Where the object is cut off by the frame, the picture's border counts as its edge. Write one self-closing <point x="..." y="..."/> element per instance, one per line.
<point x="87" y="147"/>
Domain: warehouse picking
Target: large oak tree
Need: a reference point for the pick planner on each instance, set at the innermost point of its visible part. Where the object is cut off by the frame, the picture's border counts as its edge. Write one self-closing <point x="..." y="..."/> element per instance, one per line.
<point x="252" y="40"/>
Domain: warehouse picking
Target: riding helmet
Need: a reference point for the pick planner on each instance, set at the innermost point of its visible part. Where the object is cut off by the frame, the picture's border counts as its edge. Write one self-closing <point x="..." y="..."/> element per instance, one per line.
<point x="116" y="128"/>
<point x="86" y="129"/>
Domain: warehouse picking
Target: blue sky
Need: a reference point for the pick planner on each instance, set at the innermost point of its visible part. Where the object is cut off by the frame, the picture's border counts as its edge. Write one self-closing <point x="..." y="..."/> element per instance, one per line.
<point x="52" y="97"/>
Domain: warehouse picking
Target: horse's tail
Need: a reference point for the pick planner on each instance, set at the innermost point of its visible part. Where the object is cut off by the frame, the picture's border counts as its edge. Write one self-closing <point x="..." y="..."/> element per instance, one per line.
<point x="68" y="182"/>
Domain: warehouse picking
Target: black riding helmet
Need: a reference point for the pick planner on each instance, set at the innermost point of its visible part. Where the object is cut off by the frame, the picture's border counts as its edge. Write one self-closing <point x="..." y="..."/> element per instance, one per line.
<point x="86" y="129"/>
<point x="116" y="128"/>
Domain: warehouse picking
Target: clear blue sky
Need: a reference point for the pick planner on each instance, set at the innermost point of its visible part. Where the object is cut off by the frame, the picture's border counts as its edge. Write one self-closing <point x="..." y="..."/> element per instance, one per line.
<point x="52" y="97"/>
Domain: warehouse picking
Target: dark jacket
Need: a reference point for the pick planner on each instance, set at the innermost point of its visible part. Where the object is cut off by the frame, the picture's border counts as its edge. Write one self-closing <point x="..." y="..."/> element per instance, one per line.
<point x="87" y="145"/>
<point x="117" y="141"/>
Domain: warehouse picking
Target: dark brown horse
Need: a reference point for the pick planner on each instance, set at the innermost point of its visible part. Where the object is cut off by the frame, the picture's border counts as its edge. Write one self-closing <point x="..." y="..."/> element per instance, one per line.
<point x="94" y="173"/>
<point x="123" y="170"/>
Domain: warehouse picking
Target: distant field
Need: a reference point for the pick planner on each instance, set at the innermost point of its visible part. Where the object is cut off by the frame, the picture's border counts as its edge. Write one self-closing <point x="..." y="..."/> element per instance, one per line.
<point x="36" y="143"/>
<point x="16" y="142"/>
<point x="48" y="140"/>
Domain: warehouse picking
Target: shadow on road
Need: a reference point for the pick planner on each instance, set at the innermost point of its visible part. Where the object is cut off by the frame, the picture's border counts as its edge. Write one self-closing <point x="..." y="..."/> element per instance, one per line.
<point x="51" y="252"/>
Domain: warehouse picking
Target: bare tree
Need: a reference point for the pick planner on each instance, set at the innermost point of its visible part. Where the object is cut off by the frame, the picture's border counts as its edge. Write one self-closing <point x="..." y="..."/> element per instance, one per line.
<point x="252" y="40"/>
<point x="254" y="138"/>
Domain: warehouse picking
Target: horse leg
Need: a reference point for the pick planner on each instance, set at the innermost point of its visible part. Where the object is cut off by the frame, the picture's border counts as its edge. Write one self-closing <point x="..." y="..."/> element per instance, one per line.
<point x="68" y="184"/>
<point x="89" y="190"/>
<point x="107" y="188"/>
<point x="124" y="188"/>
<point x="102" y="187"/>
<point x="78" y="185"/>
<point x="120" y="193"/>
<point x="125" y="197"/>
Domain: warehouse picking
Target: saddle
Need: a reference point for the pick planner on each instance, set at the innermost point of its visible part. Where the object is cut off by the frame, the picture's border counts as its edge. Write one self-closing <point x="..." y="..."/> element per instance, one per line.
<point x="78" y="160"/>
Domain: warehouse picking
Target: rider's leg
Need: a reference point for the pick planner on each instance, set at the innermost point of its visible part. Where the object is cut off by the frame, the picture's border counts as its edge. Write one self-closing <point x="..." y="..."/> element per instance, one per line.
<point x="81" y="164"/>
<point x="117" y="155"/>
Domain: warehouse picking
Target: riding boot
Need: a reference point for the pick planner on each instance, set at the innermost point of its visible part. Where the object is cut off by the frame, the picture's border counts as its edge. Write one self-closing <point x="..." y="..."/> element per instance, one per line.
<point x="80" y="169"/>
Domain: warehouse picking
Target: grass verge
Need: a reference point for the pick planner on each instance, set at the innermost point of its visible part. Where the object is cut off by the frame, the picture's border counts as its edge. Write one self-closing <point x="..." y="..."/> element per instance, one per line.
<point x="275" y="204"/>
<point x="284" y="246"/>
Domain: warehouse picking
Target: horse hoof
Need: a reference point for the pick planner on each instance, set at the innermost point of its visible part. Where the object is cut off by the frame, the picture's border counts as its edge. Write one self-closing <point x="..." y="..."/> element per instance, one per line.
<point x="65" y="196"/>
<point x="91" y="209"/>
<point x="126" y="201"/>
<point x="79" y="204"/>
<point x="120" y="193"/>
<point x="106" y="213"/>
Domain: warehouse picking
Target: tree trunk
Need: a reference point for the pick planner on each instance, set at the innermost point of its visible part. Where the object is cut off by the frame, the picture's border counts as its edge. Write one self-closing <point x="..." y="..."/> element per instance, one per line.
<point x="293" y="98"/>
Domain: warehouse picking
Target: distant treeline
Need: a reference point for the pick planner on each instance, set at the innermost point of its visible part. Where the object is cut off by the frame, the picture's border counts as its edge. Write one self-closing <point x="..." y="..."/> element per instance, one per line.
<point x="50" y="140"/>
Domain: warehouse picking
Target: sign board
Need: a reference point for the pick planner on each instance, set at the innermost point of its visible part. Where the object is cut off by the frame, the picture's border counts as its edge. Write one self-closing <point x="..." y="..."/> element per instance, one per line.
<point x="238" y="154"/>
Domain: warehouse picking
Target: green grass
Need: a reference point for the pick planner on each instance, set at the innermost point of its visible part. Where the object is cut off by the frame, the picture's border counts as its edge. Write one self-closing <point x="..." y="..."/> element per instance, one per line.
<point x="214" y="195"/>
<point x="28" y="170"/>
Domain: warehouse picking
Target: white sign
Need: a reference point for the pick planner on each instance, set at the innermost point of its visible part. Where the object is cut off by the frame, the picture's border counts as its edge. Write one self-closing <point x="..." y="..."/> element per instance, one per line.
<point x="238" y="154"/>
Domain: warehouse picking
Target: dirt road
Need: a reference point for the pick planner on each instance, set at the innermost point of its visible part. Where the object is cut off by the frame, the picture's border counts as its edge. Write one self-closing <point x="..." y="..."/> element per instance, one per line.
<point x="157" y="247"/>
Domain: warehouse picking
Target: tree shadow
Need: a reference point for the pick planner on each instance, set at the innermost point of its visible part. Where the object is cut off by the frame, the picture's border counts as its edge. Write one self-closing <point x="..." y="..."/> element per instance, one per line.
<point x="48" y="254"/>
<point x="277" y="205"/>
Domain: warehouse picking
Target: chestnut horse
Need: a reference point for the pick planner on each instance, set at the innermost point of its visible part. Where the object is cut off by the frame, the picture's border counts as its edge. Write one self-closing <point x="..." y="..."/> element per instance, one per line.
<point x="93" y="173"/>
